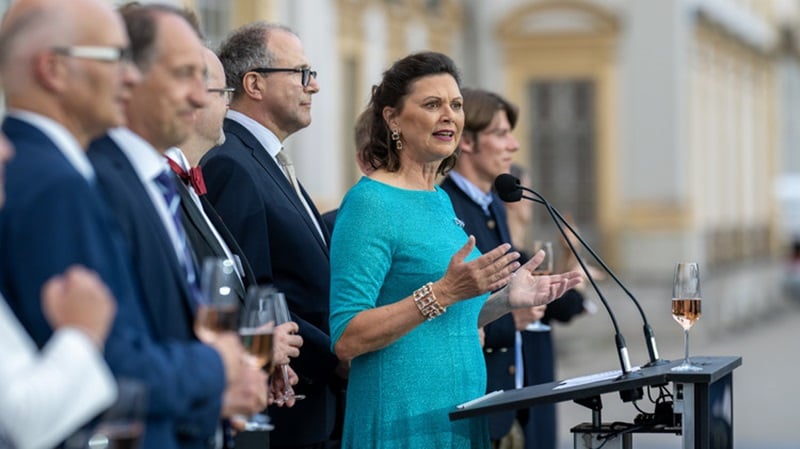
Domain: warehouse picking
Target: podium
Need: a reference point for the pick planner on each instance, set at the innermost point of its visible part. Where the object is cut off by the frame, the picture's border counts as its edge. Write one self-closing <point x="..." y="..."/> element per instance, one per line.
<point x="700" y="411"/>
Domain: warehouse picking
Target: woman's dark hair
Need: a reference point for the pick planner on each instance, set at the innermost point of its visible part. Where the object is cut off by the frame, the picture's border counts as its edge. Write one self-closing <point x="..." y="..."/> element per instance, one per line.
<point x="378" y="150"/>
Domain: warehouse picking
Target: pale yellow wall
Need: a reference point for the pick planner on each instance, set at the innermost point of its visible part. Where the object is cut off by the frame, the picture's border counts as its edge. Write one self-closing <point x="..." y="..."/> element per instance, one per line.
<point x="733" y="144"/>
<point x="587" y="55"/>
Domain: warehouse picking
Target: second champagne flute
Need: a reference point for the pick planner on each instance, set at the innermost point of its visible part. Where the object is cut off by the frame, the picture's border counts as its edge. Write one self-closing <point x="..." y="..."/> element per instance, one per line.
<point x="544" y="269"/>
<point x="256" y="330"/>
<point x="284" y="317"/>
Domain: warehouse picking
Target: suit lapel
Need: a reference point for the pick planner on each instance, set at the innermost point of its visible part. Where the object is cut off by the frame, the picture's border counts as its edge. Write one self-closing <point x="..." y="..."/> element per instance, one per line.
<point x="260" y="154"/>
<point x="230" y="240"/>
<point x="195" y="223"/>
<point x="130" y="180"/>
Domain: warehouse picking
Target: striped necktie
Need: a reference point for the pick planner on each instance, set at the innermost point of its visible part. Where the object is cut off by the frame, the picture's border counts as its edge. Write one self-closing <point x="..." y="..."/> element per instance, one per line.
<point x="166" y="185"/>
<point x="288" y="168"/>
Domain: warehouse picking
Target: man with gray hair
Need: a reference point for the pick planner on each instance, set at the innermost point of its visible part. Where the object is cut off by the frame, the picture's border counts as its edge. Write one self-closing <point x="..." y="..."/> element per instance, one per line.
<point x="67" y="77"/>
<point x="252" y="183"/>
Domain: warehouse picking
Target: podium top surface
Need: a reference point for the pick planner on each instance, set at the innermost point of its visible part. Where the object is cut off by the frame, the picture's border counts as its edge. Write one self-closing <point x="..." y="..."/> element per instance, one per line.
<point x="713" y="369"/>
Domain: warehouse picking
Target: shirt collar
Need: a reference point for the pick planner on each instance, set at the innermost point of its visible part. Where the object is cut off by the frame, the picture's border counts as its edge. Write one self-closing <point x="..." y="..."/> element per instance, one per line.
<point x="147" y="162"/>
<point x="63" y="139"/>
<point x="481" y="198"/>
<point x="265" y="137"/>
<point x="177" y="156"/>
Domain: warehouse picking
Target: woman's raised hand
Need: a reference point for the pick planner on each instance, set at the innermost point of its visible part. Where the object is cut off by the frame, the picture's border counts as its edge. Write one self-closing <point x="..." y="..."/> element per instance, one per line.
<point x="527" y="290"/>
<point x="487" y="273"/>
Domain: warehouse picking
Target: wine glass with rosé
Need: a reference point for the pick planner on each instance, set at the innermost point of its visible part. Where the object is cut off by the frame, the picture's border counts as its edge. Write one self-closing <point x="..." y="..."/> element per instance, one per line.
<point x="219" y="306"/>
<point x="284" y="317"/>
<point x="686" y="299"/>
<point x="257" y="330"/>
<point x="544" y="269"/>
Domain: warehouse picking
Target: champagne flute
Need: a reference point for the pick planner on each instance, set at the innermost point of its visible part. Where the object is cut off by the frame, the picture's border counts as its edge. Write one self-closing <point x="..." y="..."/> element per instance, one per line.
<point x="544" y="269"/>
<point x="219" y="304"/>
<point x="256" y="330"/>
<point x="686" y="306"/>
<point x="284" y="317"/>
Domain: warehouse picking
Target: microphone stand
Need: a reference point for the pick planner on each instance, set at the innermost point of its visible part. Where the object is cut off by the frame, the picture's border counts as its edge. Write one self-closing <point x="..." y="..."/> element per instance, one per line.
<point x="649" y="334"/>
<point x="622" y="349"/>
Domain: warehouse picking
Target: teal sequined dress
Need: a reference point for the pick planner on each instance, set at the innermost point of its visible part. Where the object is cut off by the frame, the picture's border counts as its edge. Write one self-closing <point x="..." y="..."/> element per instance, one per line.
<point x="387" y="243"/>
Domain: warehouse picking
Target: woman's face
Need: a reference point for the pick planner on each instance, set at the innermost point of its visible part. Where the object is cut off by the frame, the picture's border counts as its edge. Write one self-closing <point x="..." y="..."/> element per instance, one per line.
<point x="430" y="119"/>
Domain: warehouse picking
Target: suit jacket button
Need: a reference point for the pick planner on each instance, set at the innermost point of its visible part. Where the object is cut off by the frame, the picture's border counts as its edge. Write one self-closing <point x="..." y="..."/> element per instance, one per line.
<point x="512" y="369"/>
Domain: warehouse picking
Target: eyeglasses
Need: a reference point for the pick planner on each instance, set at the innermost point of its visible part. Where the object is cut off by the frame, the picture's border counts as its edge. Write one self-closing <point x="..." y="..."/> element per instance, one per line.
<point x="226" y="92"/>
<point x="307" y="72"/>
<point x="96" y="53"/>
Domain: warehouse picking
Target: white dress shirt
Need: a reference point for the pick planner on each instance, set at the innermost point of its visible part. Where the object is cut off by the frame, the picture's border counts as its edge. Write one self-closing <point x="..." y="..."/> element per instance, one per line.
<point x="47" y="395"/>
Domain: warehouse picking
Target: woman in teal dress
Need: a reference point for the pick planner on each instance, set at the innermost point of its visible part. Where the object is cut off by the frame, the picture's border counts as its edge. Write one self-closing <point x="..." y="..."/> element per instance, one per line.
<point x="409" y="289"/>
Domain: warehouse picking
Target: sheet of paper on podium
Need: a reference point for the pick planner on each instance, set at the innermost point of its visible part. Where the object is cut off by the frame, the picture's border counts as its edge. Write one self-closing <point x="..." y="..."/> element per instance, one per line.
<point x="589" y="378"/>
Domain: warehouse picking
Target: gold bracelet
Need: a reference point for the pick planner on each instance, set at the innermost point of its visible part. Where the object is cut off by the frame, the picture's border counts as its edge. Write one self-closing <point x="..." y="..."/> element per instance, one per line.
<point x="426" y="302"/>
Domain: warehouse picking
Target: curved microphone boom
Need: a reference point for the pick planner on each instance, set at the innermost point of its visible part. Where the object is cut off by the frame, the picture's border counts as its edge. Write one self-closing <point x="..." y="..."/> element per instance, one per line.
<point x="509" y="189"/>
<point x="513" y="192"/>
<point x="516" y="195"/>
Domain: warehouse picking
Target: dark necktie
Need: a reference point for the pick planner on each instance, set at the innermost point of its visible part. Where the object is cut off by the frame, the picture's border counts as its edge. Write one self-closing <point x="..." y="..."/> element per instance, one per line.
<point x="166" y="184"/>
<point x="194" y="177"/>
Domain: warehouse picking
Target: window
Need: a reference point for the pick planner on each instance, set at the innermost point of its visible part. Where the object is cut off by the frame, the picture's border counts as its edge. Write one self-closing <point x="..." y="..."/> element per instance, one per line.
<point x="214" y="20"/>
<point x="563" y="150"/>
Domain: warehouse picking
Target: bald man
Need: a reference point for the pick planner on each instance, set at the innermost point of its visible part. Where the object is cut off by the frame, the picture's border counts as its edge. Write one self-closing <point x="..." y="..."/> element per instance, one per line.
<point x="67" y="79"/>
<point x="208" y="235"/>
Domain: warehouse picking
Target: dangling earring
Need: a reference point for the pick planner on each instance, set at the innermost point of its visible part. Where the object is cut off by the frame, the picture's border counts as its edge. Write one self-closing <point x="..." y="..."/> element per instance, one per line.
<point x="396" y="138"/>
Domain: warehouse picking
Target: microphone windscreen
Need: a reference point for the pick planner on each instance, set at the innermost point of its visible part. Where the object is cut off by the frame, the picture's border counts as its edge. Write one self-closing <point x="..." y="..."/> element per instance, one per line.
<point x="507" y="187"/>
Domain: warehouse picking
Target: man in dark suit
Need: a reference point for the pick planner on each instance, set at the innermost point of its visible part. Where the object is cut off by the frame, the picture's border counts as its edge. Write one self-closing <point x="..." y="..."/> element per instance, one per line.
<point x="66" y="80"/>
<point x="487" y="147"/>
<point x="270" y="214"/>
<point x="136" y="178"/>
<point x="208" y="235"/>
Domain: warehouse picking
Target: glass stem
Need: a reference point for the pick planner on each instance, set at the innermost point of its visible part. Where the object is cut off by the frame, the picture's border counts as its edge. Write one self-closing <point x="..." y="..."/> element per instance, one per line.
<point x="287" y="389"/>
<point x="686" y="346"/>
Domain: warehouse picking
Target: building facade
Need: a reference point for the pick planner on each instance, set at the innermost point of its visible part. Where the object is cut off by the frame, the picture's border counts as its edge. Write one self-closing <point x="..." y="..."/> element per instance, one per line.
<point x="659" y="126"/>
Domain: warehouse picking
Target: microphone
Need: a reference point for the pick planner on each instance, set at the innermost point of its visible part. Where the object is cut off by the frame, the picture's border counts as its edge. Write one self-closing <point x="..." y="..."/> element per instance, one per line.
<point x="509" y="189"/>
<point x="513" y="191"/>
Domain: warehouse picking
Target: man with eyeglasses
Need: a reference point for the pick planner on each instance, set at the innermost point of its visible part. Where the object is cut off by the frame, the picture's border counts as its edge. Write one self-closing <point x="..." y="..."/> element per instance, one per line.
<point x="253" y="185"/>
<point x="205" y="229"/>
<point x="66" y="82"/>
<point x="208" y="239"/>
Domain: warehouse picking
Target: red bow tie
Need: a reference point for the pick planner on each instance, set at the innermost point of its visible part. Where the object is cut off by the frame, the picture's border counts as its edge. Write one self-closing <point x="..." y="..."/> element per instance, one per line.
<point x="193" y="178"/>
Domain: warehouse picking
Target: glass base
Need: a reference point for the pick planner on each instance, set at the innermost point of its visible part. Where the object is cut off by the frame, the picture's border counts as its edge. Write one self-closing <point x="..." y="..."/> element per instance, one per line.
<point x="258" y="422"/>
<point x="537" y="326"/>
<point x="686" y="367"/>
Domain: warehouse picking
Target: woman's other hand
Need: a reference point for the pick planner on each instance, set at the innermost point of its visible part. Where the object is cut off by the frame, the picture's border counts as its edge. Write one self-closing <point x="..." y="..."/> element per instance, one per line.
<point x="489" y="272"/>
<point x="527" y="290"/>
